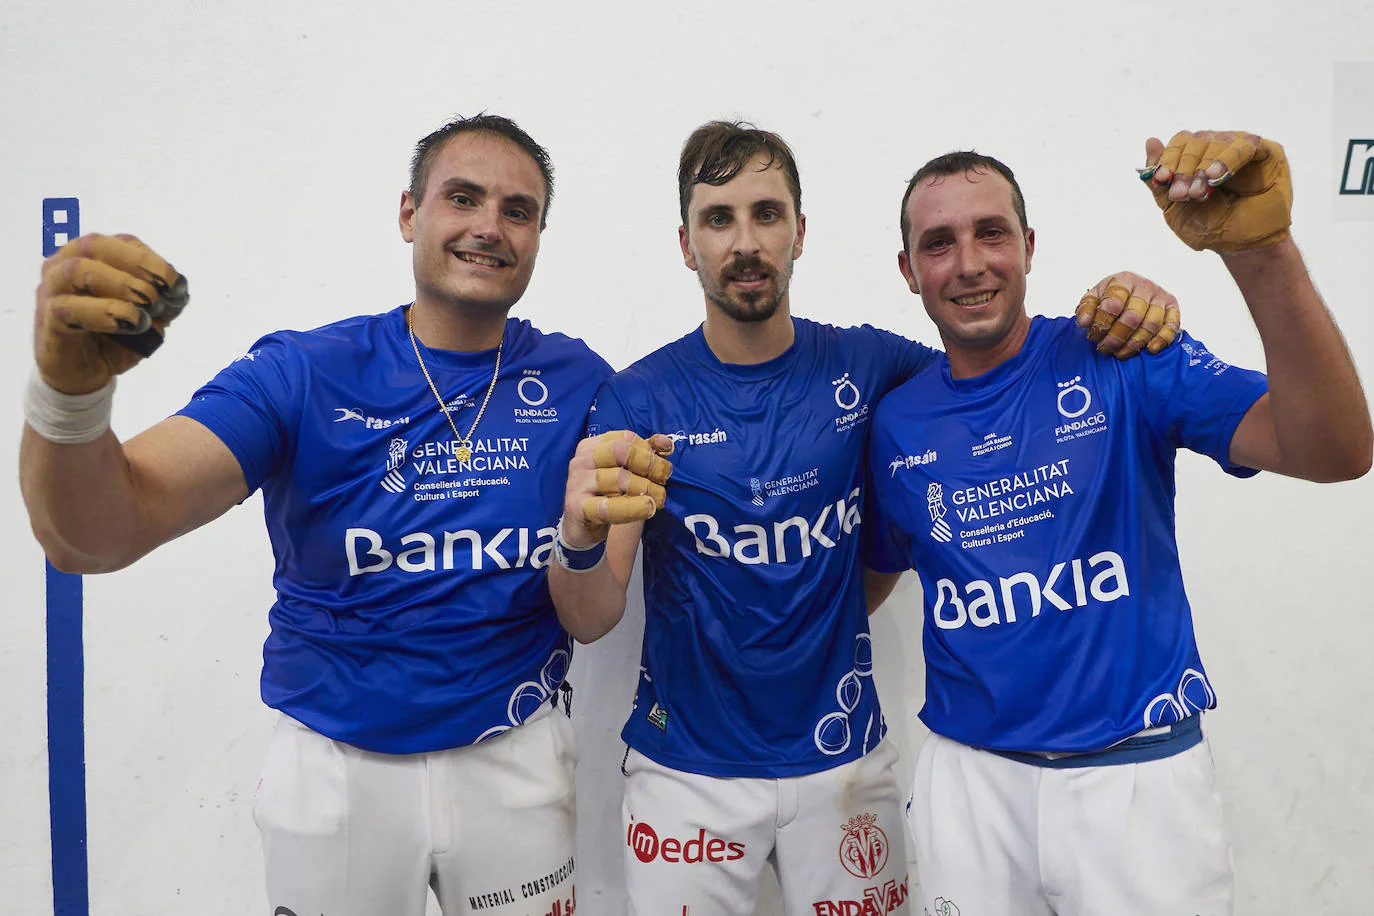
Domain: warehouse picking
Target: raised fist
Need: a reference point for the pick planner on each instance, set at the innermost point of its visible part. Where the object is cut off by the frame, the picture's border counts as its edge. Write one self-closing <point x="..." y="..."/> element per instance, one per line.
<point x="1221" y="190"/>
<point x="103" y="304"/>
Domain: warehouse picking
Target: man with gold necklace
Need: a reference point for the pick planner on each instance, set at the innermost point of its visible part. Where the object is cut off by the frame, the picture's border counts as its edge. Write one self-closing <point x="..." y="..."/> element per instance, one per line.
<point x="403" y="458"/>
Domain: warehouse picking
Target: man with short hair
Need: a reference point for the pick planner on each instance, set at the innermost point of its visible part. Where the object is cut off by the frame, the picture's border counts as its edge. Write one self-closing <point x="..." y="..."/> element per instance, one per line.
<point x="756" y="733"/>
<point x="1030" y="482"/>
<point x="414" y="652"/>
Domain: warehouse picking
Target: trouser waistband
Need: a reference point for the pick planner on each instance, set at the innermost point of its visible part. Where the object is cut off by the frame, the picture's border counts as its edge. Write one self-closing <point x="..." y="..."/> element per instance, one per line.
<point x="1158" y="744"/>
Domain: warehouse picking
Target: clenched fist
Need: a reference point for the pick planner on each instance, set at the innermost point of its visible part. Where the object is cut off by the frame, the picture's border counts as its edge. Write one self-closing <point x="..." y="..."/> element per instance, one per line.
<point x="614" y="478"/>
<point x="103" y="304"/>
<point x="1221" y="190"/>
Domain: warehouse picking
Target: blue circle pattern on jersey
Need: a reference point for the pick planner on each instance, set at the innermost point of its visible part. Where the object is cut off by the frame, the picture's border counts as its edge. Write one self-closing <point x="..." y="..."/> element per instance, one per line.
<point x="1194" y="695"/>
<point x="526" y="699"/>
<point x="833" y="734"/>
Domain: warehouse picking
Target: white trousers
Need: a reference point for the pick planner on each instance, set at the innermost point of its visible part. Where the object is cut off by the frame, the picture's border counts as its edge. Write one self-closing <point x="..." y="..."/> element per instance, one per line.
<point x="348" y="832"/>
<point x="696" y="845"/>
<point x="995" y="837"/>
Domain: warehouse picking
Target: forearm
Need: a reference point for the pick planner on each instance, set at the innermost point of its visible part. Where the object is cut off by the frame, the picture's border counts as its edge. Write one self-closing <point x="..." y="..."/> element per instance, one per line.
<point x="1321" y="419"/>
<point x="589" y="603"/>
<point x="877" y="587"/>
<point x="81" y="501"/>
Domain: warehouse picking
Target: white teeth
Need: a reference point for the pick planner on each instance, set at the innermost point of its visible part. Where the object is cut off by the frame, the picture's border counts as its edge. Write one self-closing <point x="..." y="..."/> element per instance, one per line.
<point x="478" y="259"/>
<point x="974" y="300"/>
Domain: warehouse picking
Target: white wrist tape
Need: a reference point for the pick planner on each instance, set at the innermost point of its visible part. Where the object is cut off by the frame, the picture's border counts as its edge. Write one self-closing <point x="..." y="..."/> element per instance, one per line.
<point x="67" y="419"/>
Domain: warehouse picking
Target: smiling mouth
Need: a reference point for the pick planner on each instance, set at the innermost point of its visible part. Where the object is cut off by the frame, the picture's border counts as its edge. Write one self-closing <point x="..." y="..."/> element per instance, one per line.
<point x="974" y="299"/>
<point x="482" y="260"/>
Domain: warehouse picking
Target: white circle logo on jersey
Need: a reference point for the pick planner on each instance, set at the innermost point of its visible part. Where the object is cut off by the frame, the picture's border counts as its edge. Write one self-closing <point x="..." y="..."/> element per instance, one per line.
<point x="832" y="734"/>
<point x="525" y="701"/>
<point x="848" y="691"/>
<point x="846" y="393"/>
<point x="540" y="389"/>
<point x="863" y="654"/>
<point x="1069" y="394"/>
<point x="554" y="670"/>
<point x="1194" y="693"/>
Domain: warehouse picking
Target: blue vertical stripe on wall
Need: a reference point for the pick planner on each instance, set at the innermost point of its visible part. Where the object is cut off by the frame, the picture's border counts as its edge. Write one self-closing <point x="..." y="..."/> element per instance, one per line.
<point x="66" y="677"/>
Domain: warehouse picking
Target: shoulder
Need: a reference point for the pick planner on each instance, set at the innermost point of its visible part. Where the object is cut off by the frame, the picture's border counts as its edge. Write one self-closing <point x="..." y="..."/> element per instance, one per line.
<point x="555" y="346"/>
<point x="882" y="348"/>
<point x="358" y="334"/>
<point x="649" y="370"/>
<point x="1057" y="329"/>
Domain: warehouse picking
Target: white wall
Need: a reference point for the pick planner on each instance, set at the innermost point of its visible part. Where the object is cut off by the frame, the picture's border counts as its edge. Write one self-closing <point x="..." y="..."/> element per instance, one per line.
<point x="263" y="146"/>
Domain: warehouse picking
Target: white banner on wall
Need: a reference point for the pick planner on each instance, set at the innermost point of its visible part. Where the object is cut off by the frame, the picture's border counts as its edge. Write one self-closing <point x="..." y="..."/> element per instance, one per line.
<point x="1352" y="117"/>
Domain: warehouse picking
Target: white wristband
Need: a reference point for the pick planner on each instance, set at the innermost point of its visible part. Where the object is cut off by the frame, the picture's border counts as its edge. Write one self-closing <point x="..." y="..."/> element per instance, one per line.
<point x="67" y="419"/>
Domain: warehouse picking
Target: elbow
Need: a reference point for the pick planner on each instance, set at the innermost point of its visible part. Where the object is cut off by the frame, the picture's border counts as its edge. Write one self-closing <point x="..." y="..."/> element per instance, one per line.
<point x="586" y="637"/>
<point x="587" y="632"/>
<point x="1338" y="468"/>
<point x="1359" y="464"/>
<point x="584" y="627"/>
<point x="1353" y="461"/>
<point x="69" y="561"/>
<point x="65" y="558"/>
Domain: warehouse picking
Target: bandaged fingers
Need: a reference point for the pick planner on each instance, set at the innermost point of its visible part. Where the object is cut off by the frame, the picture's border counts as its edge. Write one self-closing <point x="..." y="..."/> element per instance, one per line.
<point x="102" y="285"/>
<point x="1125" y="313"/>
<point x="1196" y="162"/>
<point x="622" y="482"/>
<point x="614" y="478"/>
<point x="125" y="254"/>
<point x="646" y="458"/>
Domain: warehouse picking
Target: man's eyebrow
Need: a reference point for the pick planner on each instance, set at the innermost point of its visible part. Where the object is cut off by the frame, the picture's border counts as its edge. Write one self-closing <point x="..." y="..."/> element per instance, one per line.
<point x="772" y="202"/>
<point x="945" y="228"/>
<point x="522" y="200"/>
<point x="456" y="183"/>
<point x="462" y="184"/>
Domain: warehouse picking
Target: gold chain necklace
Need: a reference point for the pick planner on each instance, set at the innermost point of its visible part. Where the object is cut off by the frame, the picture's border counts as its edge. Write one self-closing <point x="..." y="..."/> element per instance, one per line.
<point x="464" y="450"/>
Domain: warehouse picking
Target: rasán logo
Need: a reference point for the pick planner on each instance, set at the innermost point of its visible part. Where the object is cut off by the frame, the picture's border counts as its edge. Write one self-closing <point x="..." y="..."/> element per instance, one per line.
<point x="356" y="413"/>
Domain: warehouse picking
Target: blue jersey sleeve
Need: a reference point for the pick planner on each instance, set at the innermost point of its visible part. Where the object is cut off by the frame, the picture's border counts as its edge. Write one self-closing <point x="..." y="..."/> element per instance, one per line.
<point x="608" y="412"/>
<point x="905" y="357"/>
<point x="1194" y="400"/>
<point x="886" y="548"/>
<point x="252" y="405"/>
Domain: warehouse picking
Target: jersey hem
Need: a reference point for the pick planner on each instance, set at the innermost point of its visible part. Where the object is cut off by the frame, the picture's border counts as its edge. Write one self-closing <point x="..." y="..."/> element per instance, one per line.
<point x="745" y="770"/>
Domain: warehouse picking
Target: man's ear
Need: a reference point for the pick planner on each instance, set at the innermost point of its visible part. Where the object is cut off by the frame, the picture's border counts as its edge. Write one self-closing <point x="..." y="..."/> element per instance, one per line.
<point x="407" y="216"/>
<point x="909" y="274"/>
<point x="688" y="257"/>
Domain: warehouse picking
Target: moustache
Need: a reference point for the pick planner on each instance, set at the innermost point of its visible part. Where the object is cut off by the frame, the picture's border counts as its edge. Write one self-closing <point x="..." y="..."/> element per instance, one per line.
<point x="745" y="265"/>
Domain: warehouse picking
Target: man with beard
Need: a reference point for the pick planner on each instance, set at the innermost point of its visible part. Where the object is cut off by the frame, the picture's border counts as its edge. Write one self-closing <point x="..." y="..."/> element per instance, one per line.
<point x="756" y="733"/>
<point x="414" y="652"/>
<point x="1066" y="771"/>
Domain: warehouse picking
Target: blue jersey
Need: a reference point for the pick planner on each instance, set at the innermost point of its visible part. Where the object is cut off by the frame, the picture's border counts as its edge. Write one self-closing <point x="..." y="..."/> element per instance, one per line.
<point x="757" y="659"/>
<point x="1037" y="504"/>
<point x="413" y="611"/>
